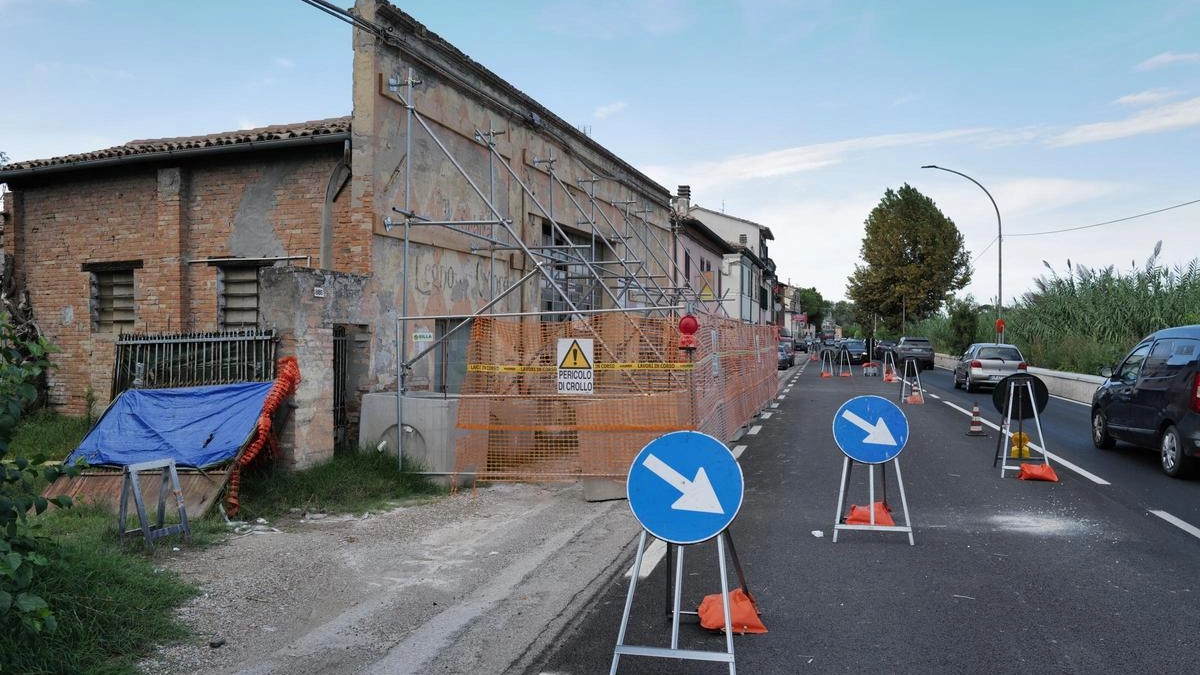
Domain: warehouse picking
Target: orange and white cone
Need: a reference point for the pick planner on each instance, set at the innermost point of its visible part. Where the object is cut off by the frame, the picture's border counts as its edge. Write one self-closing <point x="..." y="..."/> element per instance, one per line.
<point x="976" y="423"/>
<point x="889" y="373"/>
<point x="916" y="397"/>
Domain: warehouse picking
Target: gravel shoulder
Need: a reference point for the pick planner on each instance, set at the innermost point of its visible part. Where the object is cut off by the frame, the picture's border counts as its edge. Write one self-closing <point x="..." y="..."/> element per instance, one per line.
<point x="478" y="581"/>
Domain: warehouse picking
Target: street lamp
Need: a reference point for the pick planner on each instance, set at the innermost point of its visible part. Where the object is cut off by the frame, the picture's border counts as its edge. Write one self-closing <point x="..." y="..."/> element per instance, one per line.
<point x="999" y="247"/>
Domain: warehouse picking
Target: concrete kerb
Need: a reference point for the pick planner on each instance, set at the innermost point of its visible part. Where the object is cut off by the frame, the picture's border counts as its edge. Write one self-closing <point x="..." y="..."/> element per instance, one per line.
<point x="1076" y="387"/>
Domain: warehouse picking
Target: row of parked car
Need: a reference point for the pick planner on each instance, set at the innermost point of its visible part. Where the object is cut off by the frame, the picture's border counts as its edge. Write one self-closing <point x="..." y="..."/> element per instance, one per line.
<point x="1151" y="399"/>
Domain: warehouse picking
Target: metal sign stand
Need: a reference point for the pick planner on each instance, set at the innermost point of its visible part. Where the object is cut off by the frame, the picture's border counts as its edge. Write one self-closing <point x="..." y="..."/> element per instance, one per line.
<point x="916" y="369"/>
<point x="169" y="484"/>
<point x="1020" y="402"/>
<point x="674" y="651"/>
<point x="840" y="522"/>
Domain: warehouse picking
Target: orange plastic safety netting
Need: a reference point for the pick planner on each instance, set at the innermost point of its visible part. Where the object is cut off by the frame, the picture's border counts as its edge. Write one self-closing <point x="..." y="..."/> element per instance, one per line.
<point x="534" y="407"/>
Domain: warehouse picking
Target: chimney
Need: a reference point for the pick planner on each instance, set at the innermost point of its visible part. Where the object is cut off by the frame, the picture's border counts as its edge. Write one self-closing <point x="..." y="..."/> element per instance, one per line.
<point x="683" y="202"/>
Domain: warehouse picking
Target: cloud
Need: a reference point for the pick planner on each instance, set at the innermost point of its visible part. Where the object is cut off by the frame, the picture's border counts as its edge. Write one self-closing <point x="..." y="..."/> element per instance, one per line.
<point x="284" y="63"/>
<point x="609" y="110"/>
<point x="1169" y="117"/>
<point x="810" y="157"/>
<point x="1148" y="97"/>
<point x="904" y="100"/>
<point x="1166" y="59"/>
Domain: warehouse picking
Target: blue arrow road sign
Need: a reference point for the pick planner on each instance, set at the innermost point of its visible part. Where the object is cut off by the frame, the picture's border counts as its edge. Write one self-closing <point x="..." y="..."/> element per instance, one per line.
<point x="685" y="487"/>
<point x="870" y="429"/>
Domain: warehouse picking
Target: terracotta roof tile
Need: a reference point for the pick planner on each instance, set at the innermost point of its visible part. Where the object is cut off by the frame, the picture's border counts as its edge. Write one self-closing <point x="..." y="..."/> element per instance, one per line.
<point x="149" y="146"/>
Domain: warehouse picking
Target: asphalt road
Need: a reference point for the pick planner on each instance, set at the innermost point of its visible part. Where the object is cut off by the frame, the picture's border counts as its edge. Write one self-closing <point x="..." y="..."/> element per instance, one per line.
<point x="1007" y="576"/>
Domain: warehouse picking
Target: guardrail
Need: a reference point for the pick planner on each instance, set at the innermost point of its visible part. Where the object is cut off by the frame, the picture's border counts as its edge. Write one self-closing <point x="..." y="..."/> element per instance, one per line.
<point x="1072" y="386"/>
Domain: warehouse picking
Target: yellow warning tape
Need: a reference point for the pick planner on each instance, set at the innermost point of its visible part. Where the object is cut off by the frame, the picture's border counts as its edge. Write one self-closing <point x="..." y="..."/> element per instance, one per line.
<point x="645" y="366"/>
<point x="492" y="368"/>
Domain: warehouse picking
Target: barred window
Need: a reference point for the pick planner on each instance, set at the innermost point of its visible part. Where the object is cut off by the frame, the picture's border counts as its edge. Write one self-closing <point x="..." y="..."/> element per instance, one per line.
<point x="450" y="357"/>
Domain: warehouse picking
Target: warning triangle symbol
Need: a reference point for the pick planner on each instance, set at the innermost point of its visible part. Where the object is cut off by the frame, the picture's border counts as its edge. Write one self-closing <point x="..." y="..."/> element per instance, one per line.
<point x="575" y="358"/>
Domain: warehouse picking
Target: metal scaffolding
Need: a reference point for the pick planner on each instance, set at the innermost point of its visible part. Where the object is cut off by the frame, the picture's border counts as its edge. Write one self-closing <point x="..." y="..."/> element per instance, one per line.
<point x="625" y="261"/>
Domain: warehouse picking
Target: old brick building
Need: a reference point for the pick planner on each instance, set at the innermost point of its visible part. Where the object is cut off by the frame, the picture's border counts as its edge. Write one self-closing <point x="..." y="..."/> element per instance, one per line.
<point x="446" y="190"/>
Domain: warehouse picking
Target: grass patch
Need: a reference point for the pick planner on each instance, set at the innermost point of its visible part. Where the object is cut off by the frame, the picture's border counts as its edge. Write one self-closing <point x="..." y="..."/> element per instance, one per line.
<point x="353" y="481"/>
<point x="49" y="434"/>
<point x="112" y="604"/>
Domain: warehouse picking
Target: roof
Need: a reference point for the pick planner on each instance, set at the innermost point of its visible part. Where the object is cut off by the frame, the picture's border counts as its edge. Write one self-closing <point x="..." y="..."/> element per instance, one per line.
<point x="151" y="148"/>
<point x="766" y="231"/>
<point x="722" y="246"/>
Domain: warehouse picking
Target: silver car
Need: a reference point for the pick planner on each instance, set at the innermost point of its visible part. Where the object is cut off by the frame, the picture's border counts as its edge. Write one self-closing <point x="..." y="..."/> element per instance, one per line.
<point x="986" y="363"/>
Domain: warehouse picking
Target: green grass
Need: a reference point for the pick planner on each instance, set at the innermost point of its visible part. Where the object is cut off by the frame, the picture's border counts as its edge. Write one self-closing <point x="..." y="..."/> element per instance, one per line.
<point x="49" y="434"/>
<point x="112" y="604"/>
<point x="354" y="481"/>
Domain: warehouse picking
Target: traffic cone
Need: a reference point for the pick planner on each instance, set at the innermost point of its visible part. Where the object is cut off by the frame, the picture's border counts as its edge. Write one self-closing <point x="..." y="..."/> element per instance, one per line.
<point x="916" y="397"/>
<point x="889" y="368"/>
<point x="976" y="423"/>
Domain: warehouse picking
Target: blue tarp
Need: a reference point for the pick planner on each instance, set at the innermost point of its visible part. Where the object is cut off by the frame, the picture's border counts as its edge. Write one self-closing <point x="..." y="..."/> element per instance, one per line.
<point x="195" y="426"/>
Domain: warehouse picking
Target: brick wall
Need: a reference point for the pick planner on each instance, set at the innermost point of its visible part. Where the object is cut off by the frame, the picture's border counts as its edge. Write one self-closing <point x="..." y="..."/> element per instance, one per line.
<point x="245" y="205"/>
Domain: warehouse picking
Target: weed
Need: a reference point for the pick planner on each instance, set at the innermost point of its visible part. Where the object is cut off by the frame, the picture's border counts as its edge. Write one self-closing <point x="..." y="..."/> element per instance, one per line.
<point x="354" y="480"/>
<point x="49" y="434"/>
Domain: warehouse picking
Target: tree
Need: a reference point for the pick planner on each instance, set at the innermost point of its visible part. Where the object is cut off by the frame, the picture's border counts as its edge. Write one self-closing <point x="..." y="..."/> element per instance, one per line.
<point x="964" y="323"/>
<point x="914" y="257"/>
<point x="810" y="301"/>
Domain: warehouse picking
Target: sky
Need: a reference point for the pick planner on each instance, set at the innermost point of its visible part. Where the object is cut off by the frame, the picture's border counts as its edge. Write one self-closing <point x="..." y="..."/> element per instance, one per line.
<point x="795" y="114"/>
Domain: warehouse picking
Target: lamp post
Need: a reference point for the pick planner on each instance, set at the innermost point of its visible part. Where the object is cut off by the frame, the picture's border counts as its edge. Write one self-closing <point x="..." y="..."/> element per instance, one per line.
<point x="999" y="248"/>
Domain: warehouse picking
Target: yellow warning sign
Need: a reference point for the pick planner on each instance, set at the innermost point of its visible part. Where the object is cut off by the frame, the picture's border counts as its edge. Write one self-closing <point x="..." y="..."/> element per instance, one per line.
<point x="575" y="358"/>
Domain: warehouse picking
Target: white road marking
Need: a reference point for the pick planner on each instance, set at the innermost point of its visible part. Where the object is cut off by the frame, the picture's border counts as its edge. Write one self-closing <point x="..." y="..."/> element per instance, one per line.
<point x="754" y="430"/>
<point x="782" y="396"/>
<point x="1181" y="524"/>
<point x="930" y="394"/>
<point x="655" y="552"/>
<point x="766" y="415"/>
<point x="774" y="405"/>
<point x="1059" y="460"/>
<point x="738" y="450"/>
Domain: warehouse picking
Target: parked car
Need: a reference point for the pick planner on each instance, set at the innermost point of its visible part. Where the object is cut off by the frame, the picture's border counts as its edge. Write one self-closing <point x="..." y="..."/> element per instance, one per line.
<point x="986" y="363"/>
<point x="884" y="346"/>
<point x="919" y="349"/>
<point x="786" y="358"/>
<point x="801" y="345"/>
<point x="855" y="351"/>
<point x="1152" y="399"/>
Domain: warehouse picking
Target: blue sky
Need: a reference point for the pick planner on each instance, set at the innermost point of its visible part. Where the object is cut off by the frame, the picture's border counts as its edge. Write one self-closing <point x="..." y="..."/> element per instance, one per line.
<point x="796" y="114"/>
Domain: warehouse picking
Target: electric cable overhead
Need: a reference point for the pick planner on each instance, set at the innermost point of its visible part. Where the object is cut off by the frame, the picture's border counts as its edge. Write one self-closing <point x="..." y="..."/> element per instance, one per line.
<point x="1107" y="222"/>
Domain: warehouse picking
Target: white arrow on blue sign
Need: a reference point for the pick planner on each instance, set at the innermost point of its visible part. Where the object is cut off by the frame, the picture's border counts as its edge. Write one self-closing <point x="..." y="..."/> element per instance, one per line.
<point x="685" y="487"/>
<point x="870" y="429"/>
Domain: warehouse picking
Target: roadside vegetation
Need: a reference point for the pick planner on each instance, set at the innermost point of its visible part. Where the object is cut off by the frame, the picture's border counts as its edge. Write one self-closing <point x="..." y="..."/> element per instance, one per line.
<point x="1080" y="320"/>
<point x="75" y="600"/>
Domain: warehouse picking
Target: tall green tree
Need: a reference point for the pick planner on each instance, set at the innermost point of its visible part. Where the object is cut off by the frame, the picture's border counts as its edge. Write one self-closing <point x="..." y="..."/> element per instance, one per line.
<point x="810" y="301"/>
<point x="913" y="258"/>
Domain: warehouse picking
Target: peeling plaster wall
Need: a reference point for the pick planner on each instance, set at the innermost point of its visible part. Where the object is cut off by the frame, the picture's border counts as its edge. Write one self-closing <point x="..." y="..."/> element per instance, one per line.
<point x="456" y="177"/>
<point x="305" y="319"/>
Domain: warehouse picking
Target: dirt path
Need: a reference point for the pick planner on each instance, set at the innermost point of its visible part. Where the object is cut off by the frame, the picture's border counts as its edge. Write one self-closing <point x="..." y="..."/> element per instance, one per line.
<point x="422" y="589"/>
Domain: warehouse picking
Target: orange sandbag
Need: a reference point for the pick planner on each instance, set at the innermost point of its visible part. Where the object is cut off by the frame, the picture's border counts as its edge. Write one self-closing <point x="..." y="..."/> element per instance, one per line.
<point x="741" y="610"/>
<point x="1037" y="472"/>
<point x="861" y="515"/>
